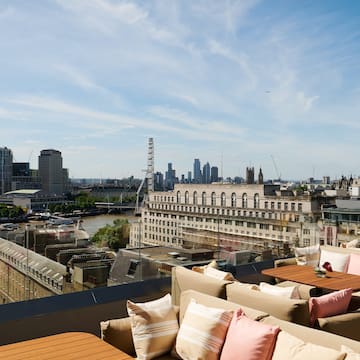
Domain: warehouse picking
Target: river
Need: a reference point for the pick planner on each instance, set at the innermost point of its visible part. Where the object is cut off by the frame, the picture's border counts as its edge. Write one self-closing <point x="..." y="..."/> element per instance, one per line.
<point x="92" y="223"/>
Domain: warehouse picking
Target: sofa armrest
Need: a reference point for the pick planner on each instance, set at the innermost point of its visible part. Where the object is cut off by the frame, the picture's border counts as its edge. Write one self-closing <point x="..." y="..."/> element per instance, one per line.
<point x="347" y="325"/>
<point x="117" y="332"/>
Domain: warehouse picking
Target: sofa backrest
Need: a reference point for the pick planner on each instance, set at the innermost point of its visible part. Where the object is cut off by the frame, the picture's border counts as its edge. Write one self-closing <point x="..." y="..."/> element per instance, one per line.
<point x="340" y="250"/>
<point x="294" y="310"/>
<point x="212" y="301"/>
<point x="185" y="279"/>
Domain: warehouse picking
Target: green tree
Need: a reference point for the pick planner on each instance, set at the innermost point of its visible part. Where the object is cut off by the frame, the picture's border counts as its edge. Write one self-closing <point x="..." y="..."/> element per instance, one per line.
<point x="114" y="236"/>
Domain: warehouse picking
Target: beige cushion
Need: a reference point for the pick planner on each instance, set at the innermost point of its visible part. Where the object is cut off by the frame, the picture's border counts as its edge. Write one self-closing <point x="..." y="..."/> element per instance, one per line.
<point x="117" y="332"/>
<point x="289" y="292"/>
<point x="308" y="255"/>
<point x="202" y="332"/>
<point x="218" y="274"/>
<point x="295" y="310"/>
<point x="290" y="347"/>
<point x="185" y="279"/>
<point x="350" y="353"/>
<point x="154" y="327"/>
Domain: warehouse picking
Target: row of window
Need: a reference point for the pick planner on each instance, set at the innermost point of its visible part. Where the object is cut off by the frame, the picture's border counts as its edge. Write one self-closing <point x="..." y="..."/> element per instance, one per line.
<point x="223" y="201"/>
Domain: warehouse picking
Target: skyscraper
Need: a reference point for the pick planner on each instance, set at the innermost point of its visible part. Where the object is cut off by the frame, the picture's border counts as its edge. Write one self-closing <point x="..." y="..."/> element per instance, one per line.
<point x="197" y="171"/>
<point x="206" y="174"/>
<point x="214" y="174"/>
<point x="51" y="172"/>
<point x="170" y="176"/>
<point x="6" y="162"/>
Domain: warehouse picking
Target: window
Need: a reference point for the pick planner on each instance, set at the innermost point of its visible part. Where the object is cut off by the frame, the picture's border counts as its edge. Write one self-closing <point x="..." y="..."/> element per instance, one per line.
<point x="132" y="267"/>
<point x="256" y="201"/>
<point x="203" y="198"/>
<point x="244" y="200"/>
<point x="279" y="205"/>
<point x="223" y="199"/>
<point x="178" y="197"/>
<point x="292" y="206"/>
<point x="266" y="204"/>
<point x="300" y="207"/>
<point x="186" y="197"/>
<point x="272" y="205"/>
<point x="286" y="206"/>
<point x="213" y="199"/>
<point x="195" y="198"/>
<point x="233" y="200"/>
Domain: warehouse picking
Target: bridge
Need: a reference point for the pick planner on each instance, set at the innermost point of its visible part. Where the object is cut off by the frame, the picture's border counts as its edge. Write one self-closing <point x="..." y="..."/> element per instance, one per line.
<point x="115" y="206"/>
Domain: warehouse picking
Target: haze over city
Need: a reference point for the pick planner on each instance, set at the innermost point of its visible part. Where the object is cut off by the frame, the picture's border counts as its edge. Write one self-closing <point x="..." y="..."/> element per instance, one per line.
<point x="231" y="82"/>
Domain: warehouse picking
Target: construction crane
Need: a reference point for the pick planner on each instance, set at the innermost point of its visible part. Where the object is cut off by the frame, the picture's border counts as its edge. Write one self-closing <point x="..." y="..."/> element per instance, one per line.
<point x="276" y="169"/>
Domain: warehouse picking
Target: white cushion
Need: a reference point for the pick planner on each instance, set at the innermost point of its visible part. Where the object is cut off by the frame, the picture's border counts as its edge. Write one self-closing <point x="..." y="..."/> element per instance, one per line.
<point x="218" y="274"/>
<point x="350" y="353"/>
<point x="338" y="261"/>
<point x="308" y="255"/>
<point x="290" y="347"/>
<point x="290" y="292"/>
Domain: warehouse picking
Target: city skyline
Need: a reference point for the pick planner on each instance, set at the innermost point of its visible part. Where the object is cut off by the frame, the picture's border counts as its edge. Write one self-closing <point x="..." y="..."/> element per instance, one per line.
<point x="235" y="83"/>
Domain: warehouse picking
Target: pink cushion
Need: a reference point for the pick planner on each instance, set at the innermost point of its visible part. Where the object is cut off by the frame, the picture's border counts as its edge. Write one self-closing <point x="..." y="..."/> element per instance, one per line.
<point x="331" y="304"/>
<point x="249" y="339"/>
<point x="354" y="264"/>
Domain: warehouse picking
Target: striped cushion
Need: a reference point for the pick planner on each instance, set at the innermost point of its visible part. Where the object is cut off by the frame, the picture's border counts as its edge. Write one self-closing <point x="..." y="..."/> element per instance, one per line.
<point x="154" y="327"/>
<point x="202" y="332"/>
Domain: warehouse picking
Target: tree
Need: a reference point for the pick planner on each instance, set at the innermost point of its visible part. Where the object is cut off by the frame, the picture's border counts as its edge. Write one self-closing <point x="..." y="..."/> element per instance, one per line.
<point x="114" y="236"/>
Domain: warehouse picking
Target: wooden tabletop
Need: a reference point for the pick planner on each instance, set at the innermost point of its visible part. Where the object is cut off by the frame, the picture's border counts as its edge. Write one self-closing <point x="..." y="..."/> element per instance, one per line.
<point x="306" y="275"/>
<point x="65" y="346"/>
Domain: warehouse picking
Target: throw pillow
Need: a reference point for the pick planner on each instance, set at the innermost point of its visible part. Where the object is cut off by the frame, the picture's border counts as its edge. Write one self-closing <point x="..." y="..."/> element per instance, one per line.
<point x="218" y="274"/>
<point x="202" y="332"/>
<point x="289" y="292"/>
<point x="350" y="353"/>
<point x="290" y="347"/>
<point x="353" y="244"/>
<point x="338" y="261"/>
<point x="308" y="255"/>
<point x="154" y="327"/>
<point x="331" y="304"/>
<point x="354" y="264"/>
<point x="249" y="339"/>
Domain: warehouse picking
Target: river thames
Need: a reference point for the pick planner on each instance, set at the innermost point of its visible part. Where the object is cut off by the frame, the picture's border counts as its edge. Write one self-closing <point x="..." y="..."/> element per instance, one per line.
<point x="92" y="223"/>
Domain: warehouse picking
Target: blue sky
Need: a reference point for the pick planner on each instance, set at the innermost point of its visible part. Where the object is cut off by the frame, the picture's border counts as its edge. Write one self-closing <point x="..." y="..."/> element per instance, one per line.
<point x="237" y="82"/>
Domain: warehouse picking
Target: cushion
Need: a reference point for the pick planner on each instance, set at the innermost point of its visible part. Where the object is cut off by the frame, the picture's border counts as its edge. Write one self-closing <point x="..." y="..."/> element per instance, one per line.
<point x="200" y="269"/>
<point x="290" y="347"/>
<point x="202" y="332"/>
<point x="331" y="304"/>
<point x="308" y="255"/>
<point x="290" y="292"/>
<point x="248" y="339"/>
<point x="354" y="264"/>
<point x="338" y="261"/>
<point x="218" y="274"/>
<point x="154" y="327"/>
<point x="350" y="353"/>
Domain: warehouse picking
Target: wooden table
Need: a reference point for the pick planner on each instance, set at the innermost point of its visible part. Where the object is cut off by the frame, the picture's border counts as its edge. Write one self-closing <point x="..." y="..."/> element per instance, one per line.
<point x="306" y="275"/>
<point x="65" y="346"/>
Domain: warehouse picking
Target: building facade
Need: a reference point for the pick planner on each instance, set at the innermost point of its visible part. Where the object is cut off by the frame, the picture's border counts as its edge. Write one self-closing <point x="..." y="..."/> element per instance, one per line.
<point x="229" y="216"/>
<point x="6" y="163"/>
<point x="51" y="172"/>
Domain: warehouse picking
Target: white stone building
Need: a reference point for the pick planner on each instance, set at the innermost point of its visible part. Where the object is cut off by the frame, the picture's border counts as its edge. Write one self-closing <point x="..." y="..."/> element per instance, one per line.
<point x="229" y="216"/>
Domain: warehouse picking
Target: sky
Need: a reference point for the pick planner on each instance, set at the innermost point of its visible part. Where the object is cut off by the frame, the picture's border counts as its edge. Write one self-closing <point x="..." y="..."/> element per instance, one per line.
<point x="270" y="84"/>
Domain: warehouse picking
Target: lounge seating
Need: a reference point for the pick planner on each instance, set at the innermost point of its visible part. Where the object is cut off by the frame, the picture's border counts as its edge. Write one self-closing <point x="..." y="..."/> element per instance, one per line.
<point x="230" y="295"/>
<point x="118" y="332"/>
